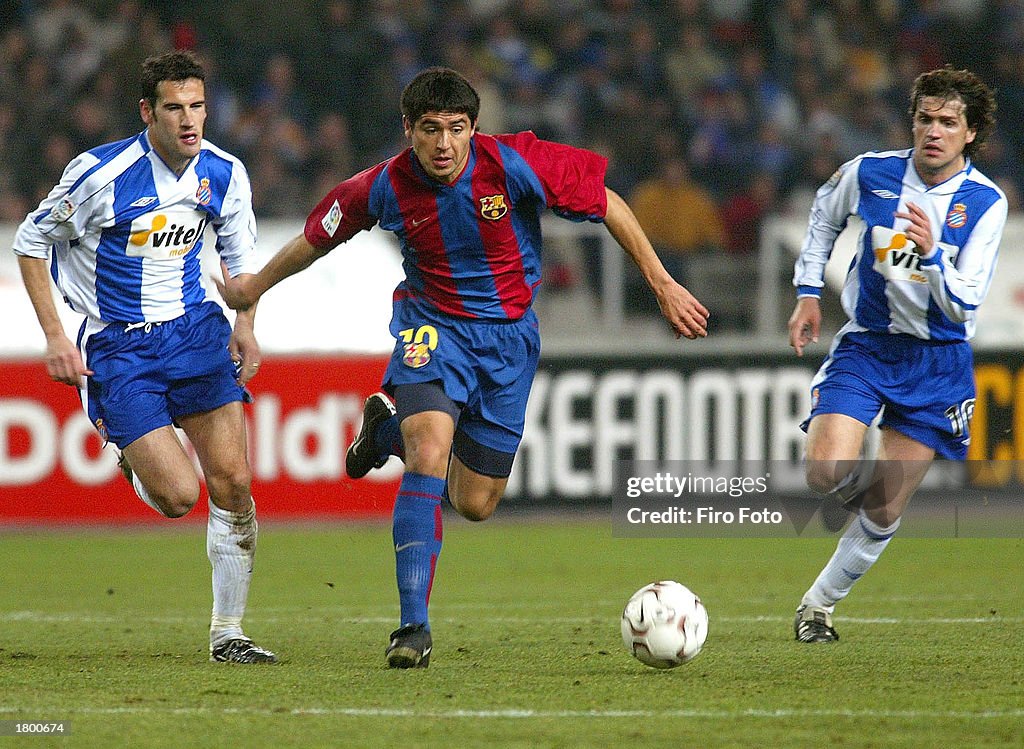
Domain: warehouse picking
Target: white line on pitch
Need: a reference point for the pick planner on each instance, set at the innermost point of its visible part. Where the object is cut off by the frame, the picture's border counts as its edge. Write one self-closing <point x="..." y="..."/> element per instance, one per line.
<point x="521" y="713"/>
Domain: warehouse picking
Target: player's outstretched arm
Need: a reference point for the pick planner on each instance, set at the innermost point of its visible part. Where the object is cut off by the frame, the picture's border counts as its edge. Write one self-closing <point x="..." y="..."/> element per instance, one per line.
<point x="244" y="290"/>
<point x="685" y="315"/>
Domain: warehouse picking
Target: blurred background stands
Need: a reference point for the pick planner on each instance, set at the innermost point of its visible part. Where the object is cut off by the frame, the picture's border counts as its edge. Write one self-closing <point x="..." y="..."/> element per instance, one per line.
<point x="752" y="104"/>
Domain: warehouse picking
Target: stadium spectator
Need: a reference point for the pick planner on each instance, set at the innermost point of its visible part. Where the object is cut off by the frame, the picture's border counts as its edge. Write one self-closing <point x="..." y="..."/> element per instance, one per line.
<point x="276" y="95"/>
<point x="465" y="207"/>
<point x="331" y="151"/>
<point x="683" y="222"/>
<point x="15" y="52"/>
<point x="55" y="22"/>
<point x="764" y="98"/>
<point x="57" y="152"/>
<point x="641" y="60"/>
<point x="344" y="50"/>
<point x="744" y="211"/>
<point x="704" y="70"/>
<point x="11" y="197"/>
<point x="692" y="65"/>
<point x="124" y="228"/>
<point x="632" y="122"/>
<point x="772" y="153"/>
<point x="924" y="263"/>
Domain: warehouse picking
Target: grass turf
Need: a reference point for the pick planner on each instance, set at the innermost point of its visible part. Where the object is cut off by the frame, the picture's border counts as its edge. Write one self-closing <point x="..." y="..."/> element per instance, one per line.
<point x="107" y="630"/>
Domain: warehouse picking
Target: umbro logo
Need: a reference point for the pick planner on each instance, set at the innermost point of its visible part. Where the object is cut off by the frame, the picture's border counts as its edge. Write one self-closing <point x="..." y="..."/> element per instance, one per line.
<point x="143" y="202"/>
<point x="885" y="194"/>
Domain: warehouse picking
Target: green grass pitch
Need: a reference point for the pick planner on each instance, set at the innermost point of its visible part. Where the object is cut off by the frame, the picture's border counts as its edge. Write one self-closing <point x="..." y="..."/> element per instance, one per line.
<point x="106" y="629"/>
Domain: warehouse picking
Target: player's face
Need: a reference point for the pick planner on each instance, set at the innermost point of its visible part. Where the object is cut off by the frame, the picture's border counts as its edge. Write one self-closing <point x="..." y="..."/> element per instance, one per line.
<point x="440" y="141"/>
<point x="175" y="121"/>
<point x="940" y="135"/>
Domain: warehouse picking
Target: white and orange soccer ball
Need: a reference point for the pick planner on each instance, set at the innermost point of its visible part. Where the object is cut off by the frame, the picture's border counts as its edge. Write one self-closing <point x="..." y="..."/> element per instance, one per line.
<point x="664" y="624"/>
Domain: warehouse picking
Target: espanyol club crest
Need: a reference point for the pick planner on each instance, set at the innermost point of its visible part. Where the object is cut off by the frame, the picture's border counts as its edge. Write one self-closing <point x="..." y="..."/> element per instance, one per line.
<point x="957" y="216"/>
<point x="102" y="429"/>
<point x="416" y="355"/>
<point x="493" y="207"/>
<point x="204" y="193"/>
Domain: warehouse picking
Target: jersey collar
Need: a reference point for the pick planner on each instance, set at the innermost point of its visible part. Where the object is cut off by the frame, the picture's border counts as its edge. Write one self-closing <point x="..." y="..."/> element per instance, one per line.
<point x="156" y="158"/>
<point x="950" y="185"/>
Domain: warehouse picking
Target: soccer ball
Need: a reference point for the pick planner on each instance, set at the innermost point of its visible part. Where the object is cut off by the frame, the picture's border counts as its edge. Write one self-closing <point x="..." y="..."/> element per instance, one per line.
<point x="664" y="624"/>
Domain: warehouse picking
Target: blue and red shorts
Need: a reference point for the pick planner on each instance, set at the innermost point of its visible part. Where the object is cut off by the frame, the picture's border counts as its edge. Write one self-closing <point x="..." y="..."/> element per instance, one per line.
<point x="485" y="367"/>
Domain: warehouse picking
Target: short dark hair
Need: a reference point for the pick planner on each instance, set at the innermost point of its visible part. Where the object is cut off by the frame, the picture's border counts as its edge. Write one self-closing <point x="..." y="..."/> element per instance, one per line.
<point x="179" y="65"/>
<point x="979" y="100"/>
<point x="439" y="89"/>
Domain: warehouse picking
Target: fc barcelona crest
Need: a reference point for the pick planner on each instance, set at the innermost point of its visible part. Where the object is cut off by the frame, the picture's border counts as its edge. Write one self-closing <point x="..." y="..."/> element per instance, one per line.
<point x="957" y="216"/>
<point x="493" y="207"/>
<point x="204" y="193"/>
<point x="416" y="355"/>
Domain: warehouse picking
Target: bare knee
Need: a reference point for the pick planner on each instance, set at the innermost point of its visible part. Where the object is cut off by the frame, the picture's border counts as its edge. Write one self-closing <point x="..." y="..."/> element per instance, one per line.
<point x="176" y="501"/>
<point x="428" y="457"/>
<point x="473" y="496"/>
<point x="477" y="507"/>
<point x="824" y="475"/>
<point x="174" y="511"/>
<point x="834" y="443"/>
<point x="232" y="489"/>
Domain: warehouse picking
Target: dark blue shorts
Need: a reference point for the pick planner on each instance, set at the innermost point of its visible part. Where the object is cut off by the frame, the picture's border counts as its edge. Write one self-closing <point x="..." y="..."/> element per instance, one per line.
<point x="925" y="388"/>
<point x="485" y="368"/>
<point x="145" y="379"/>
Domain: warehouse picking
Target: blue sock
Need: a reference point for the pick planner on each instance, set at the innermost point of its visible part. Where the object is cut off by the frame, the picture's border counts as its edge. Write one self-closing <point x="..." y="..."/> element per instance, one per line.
<point x="389" y="438"/>
<point x="416" y="531"/>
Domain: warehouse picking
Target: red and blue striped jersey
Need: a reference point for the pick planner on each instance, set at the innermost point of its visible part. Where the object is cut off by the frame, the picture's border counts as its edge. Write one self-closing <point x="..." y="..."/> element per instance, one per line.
<point x="471" y="249"/>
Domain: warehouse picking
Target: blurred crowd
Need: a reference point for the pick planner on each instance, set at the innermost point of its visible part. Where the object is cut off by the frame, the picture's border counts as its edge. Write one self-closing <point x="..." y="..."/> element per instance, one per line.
<point x="713" y="113"/>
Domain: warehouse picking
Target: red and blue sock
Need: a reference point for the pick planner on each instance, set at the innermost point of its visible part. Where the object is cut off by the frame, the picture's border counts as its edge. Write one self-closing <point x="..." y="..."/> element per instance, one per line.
<point x="416" y="531"/>
<point x="388" y="439"/>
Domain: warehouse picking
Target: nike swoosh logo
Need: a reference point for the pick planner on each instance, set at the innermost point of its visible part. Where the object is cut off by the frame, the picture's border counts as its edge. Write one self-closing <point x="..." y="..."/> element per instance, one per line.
<point x="417" y="223"/>
<point x="403" y="547"/>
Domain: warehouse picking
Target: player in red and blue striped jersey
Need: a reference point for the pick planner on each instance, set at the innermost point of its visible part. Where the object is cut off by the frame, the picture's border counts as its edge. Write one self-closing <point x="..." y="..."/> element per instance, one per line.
<point x="466" y="209"/>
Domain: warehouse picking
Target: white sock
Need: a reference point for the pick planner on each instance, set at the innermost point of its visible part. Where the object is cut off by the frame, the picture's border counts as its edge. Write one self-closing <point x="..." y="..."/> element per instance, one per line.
<point x="858" y="549"/>
<point x="231" y="547"/>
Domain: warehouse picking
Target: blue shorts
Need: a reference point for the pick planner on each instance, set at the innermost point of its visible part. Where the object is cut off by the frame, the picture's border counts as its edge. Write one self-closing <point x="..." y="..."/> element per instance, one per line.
<point x="925" y="388"/>
<point x="147" y="377"/>
<point x="486" y="368"/>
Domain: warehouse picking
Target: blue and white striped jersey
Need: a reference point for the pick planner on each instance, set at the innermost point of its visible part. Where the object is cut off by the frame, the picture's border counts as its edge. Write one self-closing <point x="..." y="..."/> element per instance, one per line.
<point x="124" y="233"/>
<point x="888" y="287"/>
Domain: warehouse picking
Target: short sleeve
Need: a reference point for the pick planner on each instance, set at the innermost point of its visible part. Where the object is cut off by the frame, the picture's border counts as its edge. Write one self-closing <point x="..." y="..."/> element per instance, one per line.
<point x="573" y="178"/>
<point x="344" y="211"/>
